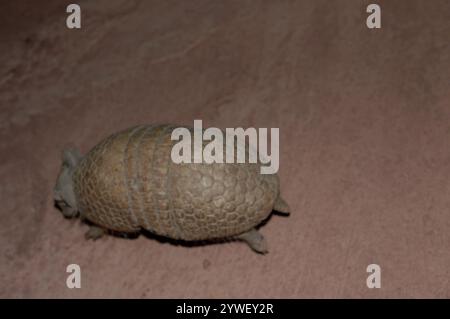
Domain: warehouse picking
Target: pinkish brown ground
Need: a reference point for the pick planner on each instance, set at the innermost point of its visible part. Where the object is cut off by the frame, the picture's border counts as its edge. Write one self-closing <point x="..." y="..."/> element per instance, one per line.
<point x="364" y="118"/>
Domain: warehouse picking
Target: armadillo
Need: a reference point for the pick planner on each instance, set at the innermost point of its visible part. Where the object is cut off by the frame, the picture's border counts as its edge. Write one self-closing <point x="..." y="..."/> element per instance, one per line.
<point x="128" y="182"/>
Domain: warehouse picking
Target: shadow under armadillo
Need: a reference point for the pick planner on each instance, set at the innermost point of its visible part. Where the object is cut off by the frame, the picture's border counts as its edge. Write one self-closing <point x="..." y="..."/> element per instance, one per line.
<point x="197" y="243"/>
<point x="177" y="242"/>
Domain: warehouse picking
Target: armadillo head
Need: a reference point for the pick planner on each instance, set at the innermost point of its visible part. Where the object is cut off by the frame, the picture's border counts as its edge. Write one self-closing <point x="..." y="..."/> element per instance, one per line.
<point x="64" y="194"/>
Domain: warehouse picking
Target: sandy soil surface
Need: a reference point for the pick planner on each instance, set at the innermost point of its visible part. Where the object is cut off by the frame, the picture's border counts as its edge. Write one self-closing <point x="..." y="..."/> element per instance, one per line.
<point x="364" y="134"/>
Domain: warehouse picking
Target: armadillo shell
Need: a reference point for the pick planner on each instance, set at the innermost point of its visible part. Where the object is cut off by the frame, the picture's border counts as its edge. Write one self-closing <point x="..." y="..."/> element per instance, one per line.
<point x="129" y="181"/>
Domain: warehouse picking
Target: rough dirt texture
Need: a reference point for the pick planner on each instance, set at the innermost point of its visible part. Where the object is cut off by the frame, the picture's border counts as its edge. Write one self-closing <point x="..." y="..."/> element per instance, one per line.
<point x="364" y="133"/>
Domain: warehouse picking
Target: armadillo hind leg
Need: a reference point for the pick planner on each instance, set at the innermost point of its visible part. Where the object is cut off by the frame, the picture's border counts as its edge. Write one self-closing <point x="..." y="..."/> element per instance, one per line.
<point x="94" y="232"/>
<point x="281" y="206"/>
<point x="255" y="240"/>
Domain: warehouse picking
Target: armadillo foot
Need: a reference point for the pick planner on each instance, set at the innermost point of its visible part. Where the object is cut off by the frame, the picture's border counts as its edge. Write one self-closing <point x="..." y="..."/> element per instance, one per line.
<point x="255" y="240"/>
<point x="281" y="206"/>
<point x="94" y="233"/>
<point x="68" y="211"/>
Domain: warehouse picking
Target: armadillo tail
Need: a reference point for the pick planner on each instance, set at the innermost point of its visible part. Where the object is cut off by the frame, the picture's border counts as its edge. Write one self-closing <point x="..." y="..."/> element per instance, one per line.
<point x="281" y="206"/>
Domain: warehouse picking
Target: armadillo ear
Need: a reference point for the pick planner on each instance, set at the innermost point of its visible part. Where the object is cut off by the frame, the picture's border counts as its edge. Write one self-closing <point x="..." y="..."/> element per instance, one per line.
<point x="71" y="157"/>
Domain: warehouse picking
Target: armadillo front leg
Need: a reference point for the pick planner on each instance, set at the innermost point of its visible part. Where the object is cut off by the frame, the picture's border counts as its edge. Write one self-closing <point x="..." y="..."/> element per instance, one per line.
<point x="68" y="211"/>
<point x="255" y="240"/>
<point x="94" y="232"/>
